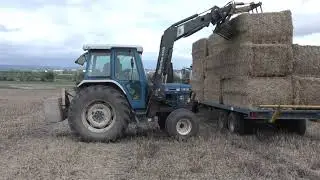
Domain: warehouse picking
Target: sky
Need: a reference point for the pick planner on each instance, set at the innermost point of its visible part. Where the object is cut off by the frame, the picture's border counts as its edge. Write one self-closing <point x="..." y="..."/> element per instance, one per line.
<point x="52" y="32"/>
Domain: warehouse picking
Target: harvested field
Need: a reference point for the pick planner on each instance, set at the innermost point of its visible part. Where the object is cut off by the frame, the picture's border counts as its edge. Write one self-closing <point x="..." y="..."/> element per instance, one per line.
<point x="306" y="60"/>
<point x="31" y="149"/>
<point x="248" y="92"/>
<point x="263" y="28"/>
<point x="306" y="90"/>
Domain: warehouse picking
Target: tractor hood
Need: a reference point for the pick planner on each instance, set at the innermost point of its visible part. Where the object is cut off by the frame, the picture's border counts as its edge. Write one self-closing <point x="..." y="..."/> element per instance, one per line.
<point x="177" y="87"/>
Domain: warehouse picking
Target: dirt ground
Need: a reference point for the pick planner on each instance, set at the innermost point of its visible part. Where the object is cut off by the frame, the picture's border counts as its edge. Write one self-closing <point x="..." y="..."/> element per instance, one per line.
<point x="32" y="149"/>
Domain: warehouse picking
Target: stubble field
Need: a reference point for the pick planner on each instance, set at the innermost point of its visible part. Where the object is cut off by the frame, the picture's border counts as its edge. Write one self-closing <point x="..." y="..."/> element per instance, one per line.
<point x="32" y="149"/>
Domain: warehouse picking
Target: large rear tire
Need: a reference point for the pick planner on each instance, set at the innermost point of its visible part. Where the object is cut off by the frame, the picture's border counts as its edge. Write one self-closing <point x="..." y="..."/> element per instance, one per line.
<point x="99" y="113"/>
<point x="182" y="124"/>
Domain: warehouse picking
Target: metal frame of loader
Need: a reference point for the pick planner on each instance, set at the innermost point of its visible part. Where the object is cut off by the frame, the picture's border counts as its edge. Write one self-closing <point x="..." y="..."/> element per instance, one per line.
<point x="264" y="117"/>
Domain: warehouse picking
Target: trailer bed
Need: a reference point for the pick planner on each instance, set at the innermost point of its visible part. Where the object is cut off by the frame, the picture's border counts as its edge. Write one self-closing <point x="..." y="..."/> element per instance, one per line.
<point x="269" y="112"/>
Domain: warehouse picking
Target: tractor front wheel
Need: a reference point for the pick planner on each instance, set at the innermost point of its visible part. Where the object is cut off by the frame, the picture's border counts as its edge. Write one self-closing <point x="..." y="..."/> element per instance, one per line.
<point x="182" y="124"/>
<point x="99" y="113"/>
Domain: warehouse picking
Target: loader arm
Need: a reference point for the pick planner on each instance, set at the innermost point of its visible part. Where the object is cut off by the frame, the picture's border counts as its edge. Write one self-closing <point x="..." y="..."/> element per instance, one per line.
<point x="186" y="27"/>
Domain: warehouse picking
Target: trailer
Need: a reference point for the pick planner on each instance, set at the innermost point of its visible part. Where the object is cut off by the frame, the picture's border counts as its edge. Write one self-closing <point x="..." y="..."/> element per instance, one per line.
<point x="262" y="118"/>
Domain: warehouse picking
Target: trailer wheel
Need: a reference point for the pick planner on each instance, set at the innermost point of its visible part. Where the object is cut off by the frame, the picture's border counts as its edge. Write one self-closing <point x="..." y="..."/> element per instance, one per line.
<point x="299" y="126"/>
<point x="235" y="123"/>
<point x="182" y="124"/>
<point x="222" y="120"/>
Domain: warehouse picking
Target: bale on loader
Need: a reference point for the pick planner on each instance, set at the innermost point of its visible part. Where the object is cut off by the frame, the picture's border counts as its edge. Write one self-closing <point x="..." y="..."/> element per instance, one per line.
<point x="263" y="28"/>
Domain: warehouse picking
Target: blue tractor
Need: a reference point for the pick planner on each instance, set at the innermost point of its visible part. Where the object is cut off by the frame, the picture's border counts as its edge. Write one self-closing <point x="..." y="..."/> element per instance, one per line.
<point x="115" y="90"/>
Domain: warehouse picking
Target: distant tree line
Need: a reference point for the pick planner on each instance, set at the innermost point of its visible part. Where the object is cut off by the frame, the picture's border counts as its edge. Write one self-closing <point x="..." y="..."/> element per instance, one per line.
<point x="49" y="76"/>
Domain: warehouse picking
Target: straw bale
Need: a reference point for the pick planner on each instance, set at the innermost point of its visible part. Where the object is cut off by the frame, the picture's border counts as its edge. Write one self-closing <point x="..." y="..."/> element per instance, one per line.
<point x="200" y="48"/>
<point x="211" y="86"/>
<point x="263" y="28"/>
<point x="197" y="79"/>
<point x="249" y="92"/>
<point x="198" y="88"/>
<point x="306" y="90"/>
<point x="306" y="60"/>
<point x="200" y="44"/>
<point x="257" y="60"/>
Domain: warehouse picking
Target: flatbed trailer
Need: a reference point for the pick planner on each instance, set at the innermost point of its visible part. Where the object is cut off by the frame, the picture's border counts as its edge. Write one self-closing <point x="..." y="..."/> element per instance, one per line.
<point x="242" y="120"/>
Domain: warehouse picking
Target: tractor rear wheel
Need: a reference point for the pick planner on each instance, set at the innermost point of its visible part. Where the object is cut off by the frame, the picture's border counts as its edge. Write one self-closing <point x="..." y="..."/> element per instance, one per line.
<point x="99" y="113"/>
<point x="182" y="124"/>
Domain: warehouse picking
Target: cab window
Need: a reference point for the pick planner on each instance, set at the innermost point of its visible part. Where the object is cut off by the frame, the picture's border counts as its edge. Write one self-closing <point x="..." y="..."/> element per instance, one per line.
<point x="99" y="65"/>
<point x="126" y="68"/>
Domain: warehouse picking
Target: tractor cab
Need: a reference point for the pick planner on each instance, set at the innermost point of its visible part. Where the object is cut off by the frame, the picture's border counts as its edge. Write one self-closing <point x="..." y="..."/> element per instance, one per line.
<point x="119" y="66"/>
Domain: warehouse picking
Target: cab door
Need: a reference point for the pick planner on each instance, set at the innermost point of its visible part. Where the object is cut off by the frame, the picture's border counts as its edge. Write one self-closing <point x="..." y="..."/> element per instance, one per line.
<point x="128" y="73"/>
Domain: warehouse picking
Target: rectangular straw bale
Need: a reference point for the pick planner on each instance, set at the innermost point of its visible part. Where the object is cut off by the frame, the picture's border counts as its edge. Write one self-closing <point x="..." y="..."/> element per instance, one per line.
<point x="249" y="92"/>
<point x="306" y="60"/>
<point x="197" y="79"/>
<point x="306" y="90"/>
<point x="263" y="28"/>
<point x="200" y="48"/>
<point x="198" y="88"/>
<point x="198" y="69"/>
<point x="214" y="39"/>
<point x="213" y="62"/>
<point x="257" y="60"/>
<point x="212" y="87"/>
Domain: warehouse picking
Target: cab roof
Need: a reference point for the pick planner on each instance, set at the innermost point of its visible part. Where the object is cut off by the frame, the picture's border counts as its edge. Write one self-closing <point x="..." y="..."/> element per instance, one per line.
<point x="109" y="46"/>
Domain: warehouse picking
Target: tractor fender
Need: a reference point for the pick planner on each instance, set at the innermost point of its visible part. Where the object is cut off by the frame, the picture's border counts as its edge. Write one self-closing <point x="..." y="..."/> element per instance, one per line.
<point x="109" y="81"/>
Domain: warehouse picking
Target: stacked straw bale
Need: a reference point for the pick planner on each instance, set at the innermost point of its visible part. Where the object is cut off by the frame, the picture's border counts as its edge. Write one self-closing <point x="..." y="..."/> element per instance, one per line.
<point x="199" y="54"/>
<point x="258" y="60"/>
<point x="306" y="75"/>
<point x="245" y="91"/>
<point x="254" y="67"/>
<point x="259" y="65"/>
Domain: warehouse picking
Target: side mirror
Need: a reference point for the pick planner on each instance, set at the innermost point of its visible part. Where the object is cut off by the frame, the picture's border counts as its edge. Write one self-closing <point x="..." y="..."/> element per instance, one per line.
<point x="81" y="60"/>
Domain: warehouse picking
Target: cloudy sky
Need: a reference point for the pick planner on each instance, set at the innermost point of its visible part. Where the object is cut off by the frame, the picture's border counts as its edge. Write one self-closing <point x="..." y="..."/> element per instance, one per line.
<point x="52" y="32"/>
